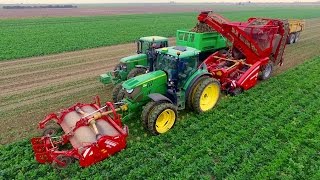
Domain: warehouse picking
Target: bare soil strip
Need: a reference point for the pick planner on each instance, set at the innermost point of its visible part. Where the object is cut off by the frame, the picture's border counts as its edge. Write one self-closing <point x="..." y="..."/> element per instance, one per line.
<point x="112" y="10"/>
<point x="34" y="87"/>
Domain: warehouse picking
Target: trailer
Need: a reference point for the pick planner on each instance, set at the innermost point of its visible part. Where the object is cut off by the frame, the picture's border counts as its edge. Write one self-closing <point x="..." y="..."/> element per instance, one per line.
<point x="296" y="27"/>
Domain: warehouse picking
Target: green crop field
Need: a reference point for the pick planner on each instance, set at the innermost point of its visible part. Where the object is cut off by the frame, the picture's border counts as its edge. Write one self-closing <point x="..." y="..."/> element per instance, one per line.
<point x="269" y="132"/>
<point x="40" y="36"/>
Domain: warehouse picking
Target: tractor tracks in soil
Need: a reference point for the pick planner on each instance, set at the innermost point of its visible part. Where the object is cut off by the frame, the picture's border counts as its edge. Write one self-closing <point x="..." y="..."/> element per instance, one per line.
<point x="33" y="87"/>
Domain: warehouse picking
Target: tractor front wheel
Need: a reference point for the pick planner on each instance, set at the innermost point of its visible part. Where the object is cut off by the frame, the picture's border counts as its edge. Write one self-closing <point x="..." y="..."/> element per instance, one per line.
<point x="64" y="161"/>
<point x="161" y="118"/>
<point x="206" y="95"/>
<point x="118" y="93"/>
<point x="136" y="72"/>
<point x="266" y="71"/>
<point x="146" y="112"/>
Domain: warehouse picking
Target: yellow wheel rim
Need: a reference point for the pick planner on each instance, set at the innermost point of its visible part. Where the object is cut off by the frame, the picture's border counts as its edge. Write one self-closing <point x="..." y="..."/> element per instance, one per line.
<point x="209" y="97"/>
<point x="165" y="121"/>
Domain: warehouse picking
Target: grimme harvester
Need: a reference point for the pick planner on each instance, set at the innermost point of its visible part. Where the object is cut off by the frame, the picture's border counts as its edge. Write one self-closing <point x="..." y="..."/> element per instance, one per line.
<point x="181" y="78"/>
<point x="94" y="133"/>
<point x="258" y="45"/>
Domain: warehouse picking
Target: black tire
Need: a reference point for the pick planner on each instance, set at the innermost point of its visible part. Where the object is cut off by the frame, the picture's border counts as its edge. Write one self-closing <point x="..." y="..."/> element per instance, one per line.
<point x="266" y="71"/>
<point x="192" y="90"/>
<point x="196" y="99"/>
<point x="65" y="159"/>
<point x="118" y="93"/>
<point x="50" y="131"/>
<point x="136" y="72"/>
<point x="291" y="38"/>
<point x="155" y="113"/>
<point x="236" y="92"/>
<point x="146" y="112"/>
<point x="297" y="37"/>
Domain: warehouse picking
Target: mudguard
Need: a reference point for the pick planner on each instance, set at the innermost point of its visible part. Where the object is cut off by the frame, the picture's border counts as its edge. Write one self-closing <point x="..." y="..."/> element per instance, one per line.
<point x="156" y="97"/>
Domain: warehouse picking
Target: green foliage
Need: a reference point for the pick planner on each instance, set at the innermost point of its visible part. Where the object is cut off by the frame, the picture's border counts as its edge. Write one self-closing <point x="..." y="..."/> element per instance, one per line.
<point x="40" y="36"/>
<point x="269" y="132"/>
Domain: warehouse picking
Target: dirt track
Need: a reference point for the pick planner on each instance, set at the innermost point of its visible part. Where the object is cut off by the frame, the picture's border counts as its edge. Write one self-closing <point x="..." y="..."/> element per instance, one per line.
<point x="33" y="87"/>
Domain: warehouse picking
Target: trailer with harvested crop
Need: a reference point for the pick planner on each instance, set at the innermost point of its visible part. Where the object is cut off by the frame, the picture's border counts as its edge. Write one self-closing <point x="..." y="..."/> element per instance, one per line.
<point x="296" y="26"/>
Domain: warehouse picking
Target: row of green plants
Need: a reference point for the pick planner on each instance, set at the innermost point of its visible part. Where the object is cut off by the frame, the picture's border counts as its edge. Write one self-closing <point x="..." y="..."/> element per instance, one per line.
<point x="271" y="131"/>
<point x="41" y="36"/>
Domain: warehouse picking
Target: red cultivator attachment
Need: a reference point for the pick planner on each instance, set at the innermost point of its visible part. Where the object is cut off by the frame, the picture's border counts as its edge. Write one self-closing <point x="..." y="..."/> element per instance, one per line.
<point x="94" y="133"/>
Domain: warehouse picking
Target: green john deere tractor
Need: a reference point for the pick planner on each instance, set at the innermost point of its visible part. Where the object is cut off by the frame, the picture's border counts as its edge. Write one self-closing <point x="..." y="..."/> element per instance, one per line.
<point x="134" y="65"/>
<point x="178" y="82"/>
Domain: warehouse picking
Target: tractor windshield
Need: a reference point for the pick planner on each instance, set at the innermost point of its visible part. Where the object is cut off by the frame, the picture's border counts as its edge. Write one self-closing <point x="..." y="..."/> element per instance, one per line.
<point x="143" y="46"/>
<point x="165" y="62"/>
<point x="176" y="69"/>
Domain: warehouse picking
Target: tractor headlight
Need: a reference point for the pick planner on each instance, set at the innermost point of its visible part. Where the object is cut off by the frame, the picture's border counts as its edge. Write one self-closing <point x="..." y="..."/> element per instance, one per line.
<point x="130" y="91"/>
<point x="123" y="66"/>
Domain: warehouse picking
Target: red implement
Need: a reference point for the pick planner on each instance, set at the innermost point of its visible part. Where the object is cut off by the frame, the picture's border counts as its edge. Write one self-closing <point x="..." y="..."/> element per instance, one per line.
<point x="94" y="133"/>
<point x="257" y="45"/>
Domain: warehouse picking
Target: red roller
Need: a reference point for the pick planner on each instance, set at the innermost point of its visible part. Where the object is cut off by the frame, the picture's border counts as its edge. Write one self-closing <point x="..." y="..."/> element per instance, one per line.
<point x="95" y="133"/>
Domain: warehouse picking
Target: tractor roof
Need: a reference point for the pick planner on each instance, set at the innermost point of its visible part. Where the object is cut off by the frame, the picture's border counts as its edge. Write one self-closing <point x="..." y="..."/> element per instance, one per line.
<point x="153" y="38"/>
<point x="183" y="50"/>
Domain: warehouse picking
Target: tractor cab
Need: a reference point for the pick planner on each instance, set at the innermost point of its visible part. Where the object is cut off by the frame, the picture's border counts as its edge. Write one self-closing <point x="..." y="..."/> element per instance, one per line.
<point x="145" y="44"/>
<point x="178" y="62"/>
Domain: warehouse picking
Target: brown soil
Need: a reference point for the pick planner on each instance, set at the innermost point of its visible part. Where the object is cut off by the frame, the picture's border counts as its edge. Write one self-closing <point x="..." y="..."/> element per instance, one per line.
<point x="111" y="10"/>
<point x="32" y="88"/>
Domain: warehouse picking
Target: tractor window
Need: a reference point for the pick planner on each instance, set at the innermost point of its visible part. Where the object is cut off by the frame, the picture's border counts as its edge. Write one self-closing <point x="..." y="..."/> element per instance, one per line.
<point x="145" y="46"/>
<point x="187" y="66"/>
<point x="168" y="64"/>
<point x="139" y="47"/>
<point x="165" y="62"/>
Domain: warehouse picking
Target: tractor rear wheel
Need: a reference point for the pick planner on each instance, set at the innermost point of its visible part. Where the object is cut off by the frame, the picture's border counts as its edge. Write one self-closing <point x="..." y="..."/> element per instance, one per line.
<point x="161" y="118"/>
<point x="146" y="112"/>
<point x="291" y="38"/>
<point x="118" y="93"/>
<point x="206" y="95"/>
<point x="297" y="37"/>
<point x="66" y="160"/>
<point x="266" y="71"/>
<point x="136" y="72"/>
